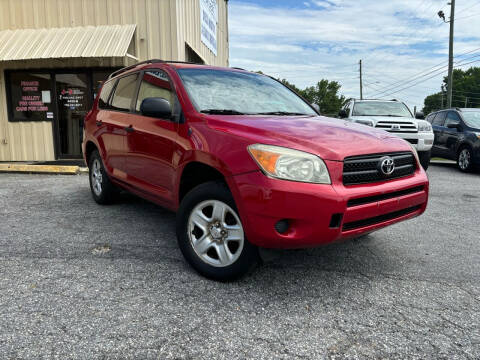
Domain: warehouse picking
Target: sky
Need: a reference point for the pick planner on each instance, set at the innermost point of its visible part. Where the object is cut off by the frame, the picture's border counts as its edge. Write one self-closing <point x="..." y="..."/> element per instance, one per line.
<point x="397" y="40"/>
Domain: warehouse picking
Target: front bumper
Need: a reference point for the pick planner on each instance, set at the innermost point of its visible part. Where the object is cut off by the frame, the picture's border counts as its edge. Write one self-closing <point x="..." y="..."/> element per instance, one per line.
<point x="422" y="141"/>
<point x="321" y="214"/>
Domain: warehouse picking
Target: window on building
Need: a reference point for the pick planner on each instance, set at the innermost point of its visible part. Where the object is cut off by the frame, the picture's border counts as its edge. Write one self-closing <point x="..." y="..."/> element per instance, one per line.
<point x="192" y="56"/>
<point x="31" y="96"/>
<point x="155" y="84"/>
<point x="124" y="92"/>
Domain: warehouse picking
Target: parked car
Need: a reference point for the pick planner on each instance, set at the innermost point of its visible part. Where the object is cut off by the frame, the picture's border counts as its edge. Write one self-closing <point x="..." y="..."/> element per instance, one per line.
<point x="244" y="162"/>
<point x="395" y="117"/>
<point x="457" y="136"/>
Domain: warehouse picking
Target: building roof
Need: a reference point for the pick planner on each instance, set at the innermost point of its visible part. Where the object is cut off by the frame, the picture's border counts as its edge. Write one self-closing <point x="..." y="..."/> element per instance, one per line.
<point x="69" y="42"/>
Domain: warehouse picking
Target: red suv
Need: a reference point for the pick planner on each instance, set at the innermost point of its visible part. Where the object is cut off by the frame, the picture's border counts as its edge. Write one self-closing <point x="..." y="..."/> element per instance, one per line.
<point x="245" y="162"/>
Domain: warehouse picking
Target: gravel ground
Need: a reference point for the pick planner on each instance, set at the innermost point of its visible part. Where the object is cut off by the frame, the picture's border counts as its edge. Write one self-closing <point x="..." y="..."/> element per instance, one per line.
<point x="78" y="280"/>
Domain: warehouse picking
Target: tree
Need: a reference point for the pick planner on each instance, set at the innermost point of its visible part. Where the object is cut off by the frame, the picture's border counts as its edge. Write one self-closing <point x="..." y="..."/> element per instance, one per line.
<point x="325" y="95"/>
<point x="466" y="89"/>
<point x="434" y="102"/>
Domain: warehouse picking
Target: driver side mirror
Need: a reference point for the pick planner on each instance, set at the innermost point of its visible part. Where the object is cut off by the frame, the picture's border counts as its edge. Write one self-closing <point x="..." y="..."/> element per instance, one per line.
<point x="419" y="115"/>
<point x="342" y="114"/>
<point x="156" y="107"/>
<point x="455" y="125"/>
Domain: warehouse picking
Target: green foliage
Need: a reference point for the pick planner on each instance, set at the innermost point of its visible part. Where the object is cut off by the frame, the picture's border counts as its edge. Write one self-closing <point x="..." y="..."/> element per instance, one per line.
<point x="434" y="102"/>
<point x="325" y="94"/>
<point x="466" y="86"/>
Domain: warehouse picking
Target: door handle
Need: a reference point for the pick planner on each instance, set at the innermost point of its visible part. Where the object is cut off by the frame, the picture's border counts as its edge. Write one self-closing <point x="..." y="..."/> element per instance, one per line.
<point x="129" y="128"/>
<point x="99" y="123"/>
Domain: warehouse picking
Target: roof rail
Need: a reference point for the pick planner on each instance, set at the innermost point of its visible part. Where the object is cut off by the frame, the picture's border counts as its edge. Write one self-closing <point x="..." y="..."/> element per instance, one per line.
<point x="152" y="61"/>
<point x="115" y="73"/>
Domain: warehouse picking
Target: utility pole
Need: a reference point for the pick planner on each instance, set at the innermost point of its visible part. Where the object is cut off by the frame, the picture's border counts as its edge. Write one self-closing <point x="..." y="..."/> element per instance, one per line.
<point x="361" y="84"/>
<point x="450" y="54"/>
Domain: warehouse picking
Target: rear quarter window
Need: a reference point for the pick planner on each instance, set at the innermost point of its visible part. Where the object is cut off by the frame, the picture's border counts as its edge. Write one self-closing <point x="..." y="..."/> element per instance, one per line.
<point x="124" y="93"/>
<point x="105" y="94"/>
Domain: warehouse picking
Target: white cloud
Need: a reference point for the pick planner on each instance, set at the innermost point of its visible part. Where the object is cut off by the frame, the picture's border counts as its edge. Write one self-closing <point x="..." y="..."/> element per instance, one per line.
<point x="396" y="39"/>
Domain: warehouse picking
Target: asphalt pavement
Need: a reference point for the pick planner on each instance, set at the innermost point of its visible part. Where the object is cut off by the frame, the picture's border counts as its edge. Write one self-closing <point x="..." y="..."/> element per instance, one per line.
<point x="79" y="280"/>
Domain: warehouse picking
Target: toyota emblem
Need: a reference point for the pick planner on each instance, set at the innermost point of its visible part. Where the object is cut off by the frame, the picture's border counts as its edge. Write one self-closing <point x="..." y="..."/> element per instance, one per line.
<point x="386" y="165"/>
<point x="395" y="127"/>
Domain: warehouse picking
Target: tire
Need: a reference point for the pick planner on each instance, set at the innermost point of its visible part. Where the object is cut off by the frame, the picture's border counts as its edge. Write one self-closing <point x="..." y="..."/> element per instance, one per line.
<point x="210" y="234"/>
<point x="424" y="157"/>
<point x="464" y="159"/>
<point x="103" y="191"/>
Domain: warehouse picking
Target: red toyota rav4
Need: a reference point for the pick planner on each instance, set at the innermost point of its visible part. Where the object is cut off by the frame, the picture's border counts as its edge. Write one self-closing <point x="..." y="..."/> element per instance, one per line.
<point x="245" y="162"/>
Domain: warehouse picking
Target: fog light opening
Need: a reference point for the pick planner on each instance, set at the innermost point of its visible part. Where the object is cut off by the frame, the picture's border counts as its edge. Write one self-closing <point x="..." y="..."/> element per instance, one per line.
<point x="282" y="226"/>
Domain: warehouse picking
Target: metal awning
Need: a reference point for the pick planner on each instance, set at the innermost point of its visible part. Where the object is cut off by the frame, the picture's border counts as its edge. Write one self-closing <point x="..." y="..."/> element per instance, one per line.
<point x="70" y="42"/>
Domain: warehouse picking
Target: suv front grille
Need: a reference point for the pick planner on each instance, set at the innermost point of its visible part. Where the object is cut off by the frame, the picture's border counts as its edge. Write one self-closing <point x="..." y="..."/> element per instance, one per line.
<point x="394" y="126"/>
<point x="367" y="168"/>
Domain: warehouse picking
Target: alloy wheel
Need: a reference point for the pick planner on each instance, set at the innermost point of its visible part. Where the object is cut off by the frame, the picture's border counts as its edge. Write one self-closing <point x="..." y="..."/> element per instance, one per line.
<point x="216" y="233"/>
<point x="464" y="159"/>
<point x="97" y="177"/>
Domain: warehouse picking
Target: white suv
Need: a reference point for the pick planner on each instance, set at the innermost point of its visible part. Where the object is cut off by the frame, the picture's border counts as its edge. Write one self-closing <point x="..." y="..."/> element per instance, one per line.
<point x="395" y="117"/>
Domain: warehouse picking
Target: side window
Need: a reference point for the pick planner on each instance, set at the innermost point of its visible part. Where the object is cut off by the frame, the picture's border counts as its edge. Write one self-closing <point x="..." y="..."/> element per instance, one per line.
<point x="348" y="108"/>
<point x="439" y="119"/>
<point x="105" y="94"/>
<point x="124" y="93"/>
<point x="155" y="83"/>
<point x="429" y="118"/>
<point x="452" y="118"/>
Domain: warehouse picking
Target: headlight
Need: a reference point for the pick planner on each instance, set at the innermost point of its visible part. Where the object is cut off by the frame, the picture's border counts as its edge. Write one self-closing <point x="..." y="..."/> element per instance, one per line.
<point x="424" y="126"/>
<point x="365" y="122"/>
<point x="289" y="164"/>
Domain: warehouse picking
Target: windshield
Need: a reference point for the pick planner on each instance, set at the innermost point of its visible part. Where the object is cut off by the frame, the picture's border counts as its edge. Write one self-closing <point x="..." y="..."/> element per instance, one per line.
<point x="381" y="108"/>
<point x="234" y="92"/>
<point x="472" y="118"/>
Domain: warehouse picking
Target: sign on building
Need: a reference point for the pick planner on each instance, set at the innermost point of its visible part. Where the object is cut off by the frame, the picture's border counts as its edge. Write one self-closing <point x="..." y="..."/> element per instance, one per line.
<point x="208" y="21"/>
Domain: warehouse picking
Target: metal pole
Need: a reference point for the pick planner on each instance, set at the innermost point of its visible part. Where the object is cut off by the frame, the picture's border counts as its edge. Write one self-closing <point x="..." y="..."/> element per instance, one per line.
<point x="450" y="54"/>
<point x="361" y="84"/>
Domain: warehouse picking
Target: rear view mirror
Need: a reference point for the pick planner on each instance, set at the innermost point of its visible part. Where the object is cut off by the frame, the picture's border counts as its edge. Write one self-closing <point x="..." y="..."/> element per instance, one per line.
<point x="342" y="114"/>
<point x="419" y="115"/>
<point x="156" y="107"/>
<point x="455" y="125"/>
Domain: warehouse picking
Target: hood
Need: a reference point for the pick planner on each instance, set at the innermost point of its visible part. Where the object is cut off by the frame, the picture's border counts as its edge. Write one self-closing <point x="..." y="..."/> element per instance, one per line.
<point x="376" y="119"/>
<point x="331" y="139"/>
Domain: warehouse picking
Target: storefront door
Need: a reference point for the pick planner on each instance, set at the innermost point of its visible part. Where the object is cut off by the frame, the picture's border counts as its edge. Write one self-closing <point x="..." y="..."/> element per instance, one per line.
<point x="73" y="101"/>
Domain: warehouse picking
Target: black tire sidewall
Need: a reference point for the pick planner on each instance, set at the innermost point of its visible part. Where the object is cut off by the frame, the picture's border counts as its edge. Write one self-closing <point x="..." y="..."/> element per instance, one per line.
<point x="424" y="157"/>
<point x="249" y="256"/>
<point x="470" y="165"/>
<point x="108" y="189"/>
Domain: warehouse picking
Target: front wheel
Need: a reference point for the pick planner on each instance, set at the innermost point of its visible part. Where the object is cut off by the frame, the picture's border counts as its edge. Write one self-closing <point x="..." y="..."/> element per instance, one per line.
<point x="424" y="157"/>
<point x="103" y="191"/>
<point x="210" y="234"/>
<point x="464" y="160"/>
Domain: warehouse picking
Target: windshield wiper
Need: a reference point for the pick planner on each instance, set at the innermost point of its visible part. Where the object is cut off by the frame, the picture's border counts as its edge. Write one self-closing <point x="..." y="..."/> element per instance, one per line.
<point x="280" y="113"/>
<point x="222" y="112"/>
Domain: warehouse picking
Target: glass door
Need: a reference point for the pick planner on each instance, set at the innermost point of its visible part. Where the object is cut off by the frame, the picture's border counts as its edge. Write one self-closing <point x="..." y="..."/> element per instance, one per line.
<point x="73" y="102"/>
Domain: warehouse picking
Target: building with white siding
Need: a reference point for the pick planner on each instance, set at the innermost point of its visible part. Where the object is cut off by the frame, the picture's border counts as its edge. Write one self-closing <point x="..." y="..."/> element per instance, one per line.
<point x="54" y="54"/>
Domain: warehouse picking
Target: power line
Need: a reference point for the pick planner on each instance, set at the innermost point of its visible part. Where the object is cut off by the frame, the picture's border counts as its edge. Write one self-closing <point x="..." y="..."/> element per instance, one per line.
<point x="440" y="70"/>
<point x="431" y="77"/>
